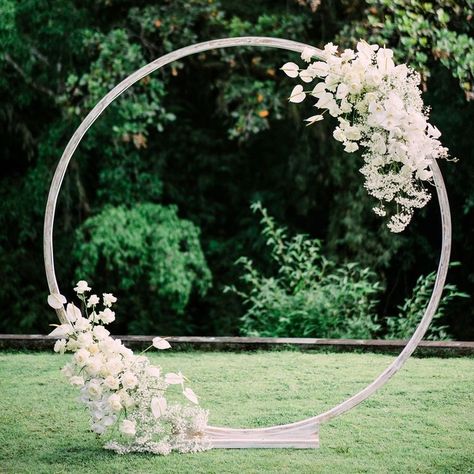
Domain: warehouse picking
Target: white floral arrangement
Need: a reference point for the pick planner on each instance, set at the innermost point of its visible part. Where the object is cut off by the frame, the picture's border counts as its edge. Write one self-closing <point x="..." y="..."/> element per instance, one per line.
<point x="123" y="390"/>
<point x="379" y="108"/>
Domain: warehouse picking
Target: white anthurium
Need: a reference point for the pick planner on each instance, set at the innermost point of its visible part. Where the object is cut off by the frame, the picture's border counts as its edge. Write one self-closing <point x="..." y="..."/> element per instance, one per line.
<point x="158" y="406"/>
<point x="56" y="300"/>
<point x="190" y="395"/>
<point x="320" y="68"/>
<point x="307" y="75"/>
<point x="174" y="379"/>
<point x="313" y="119"/>
<point x="160" y="343"/>
<point x="297" y="95"/>
<point x="63" y="330"/>
<point x="319" y="88"/>
<point x="290" y="69"/>
<point x="73" y="313"/>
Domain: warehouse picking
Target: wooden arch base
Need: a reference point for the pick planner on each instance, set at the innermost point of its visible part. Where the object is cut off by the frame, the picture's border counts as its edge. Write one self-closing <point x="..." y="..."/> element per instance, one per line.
<point x="302" y="434"/>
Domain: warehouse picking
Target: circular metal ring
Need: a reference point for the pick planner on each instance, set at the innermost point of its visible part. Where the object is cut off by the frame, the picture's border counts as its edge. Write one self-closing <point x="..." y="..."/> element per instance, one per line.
<point x="289" y="46"/>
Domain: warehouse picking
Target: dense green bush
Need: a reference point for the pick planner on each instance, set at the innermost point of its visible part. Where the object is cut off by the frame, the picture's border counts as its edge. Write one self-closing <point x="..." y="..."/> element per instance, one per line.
<point x="146" y="250"/>
<point x="308" y="295"/>
<point x="404" y="324"/>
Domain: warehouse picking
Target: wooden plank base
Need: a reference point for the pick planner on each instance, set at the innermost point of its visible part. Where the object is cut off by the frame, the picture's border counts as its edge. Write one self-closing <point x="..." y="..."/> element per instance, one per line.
<point x="303" y="437"/>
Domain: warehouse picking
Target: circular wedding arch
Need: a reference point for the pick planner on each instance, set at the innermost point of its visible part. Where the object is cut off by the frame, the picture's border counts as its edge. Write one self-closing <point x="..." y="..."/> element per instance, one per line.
<point x="300" y="434"/>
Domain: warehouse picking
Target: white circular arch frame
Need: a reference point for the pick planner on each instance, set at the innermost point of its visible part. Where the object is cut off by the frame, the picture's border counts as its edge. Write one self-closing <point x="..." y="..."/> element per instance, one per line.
<point x="301" y="434"/>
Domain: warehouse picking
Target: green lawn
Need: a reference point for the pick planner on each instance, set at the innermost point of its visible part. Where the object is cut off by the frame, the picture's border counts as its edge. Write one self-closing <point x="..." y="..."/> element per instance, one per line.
<point x="422" y="421"/>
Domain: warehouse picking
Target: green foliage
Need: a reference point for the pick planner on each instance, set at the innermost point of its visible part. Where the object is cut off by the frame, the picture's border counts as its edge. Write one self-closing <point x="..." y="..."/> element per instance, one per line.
<point x="147" y="250"/>
<point x="404" y="324"/>
<point x="423" y="32"/>
<point x="309" y="295"/>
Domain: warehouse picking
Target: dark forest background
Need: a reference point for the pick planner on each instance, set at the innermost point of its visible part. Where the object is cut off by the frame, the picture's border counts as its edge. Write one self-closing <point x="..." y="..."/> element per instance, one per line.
<point x="155" y="206"/>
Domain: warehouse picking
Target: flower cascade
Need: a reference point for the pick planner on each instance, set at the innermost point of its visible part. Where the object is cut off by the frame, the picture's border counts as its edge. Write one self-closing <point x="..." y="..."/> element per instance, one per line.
<point x="123" y="390"/>
<point x="379" y="108"/>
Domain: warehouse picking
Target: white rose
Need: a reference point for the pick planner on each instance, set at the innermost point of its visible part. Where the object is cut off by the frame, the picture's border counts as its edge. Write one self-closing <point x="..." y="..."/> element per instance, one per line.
<point x="100" y="332"/>
<point x="129" y="380"/>
<point x="127" y="400"/>
<point x="76" y="380"/>
<point x="82" y="324"/>
<point x="111" y="382"/>
<point x="109" y="299"/>
<point x="351" y="147"/>
<point x="128" y="428"/>
<point x="72" y="345"/>
<point x="114" y="365"/>
<point x="338" y="134"/>
<point x="93" y="349"/>
<point x="81" y="356"/>
<point x="85" y="339"/>
<point x="107" y="316"/>
<point x="67" y="370"/>
<point x="60" y="346"/>
<point x="98" y="428"/>
<point x="114" y="402"/>
<point x="94" y="389"/>
<point x="93" y="300"/>
<point x="94" y="365"/>
<point x="82" y="287"/>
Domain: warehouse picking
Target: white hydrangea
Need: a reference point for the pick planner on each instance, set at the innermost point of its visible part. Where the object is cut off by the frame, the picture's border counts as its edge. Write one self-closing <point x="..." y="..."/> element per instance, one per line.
<point x="378" y="107"/>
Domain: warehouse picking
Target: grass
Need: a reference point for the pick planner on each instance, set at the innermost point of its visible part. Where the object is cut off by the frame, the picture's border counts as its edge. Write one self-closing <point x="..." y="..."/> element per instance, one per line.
<point x="422" y="421"/>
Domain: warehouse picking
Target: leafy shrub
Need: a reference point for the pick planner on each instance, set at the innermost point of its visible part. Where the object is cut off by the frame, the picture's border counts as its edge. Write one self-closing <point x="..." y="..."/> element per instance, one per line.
<point x="148" y="248"/>
<point x="404" y="324"/>
<point x="308" y="295"/>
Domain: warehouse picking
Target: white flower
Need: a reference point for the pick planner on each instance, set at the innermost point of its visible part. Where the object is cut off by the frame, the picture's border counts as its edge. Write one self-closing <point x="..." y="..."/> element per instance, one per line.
<point x="129" y="380"/>
<point x="114" y="402"/>
<point x="94" y="365"/>
<point x="297" y="95"/>
<point x="190" y="395"/>
<point x="153" y="371"/>
<point x="366" y="51"/>
<point x="81" y="287"/>
<point x="85" y="339"/>
<point x="319" y="68"/>
<point x="109" y="299"/>
<point x="72" y="312"/>
<point x="81" y="356"/>
<point x="107" y="316"/>
<point x="161" y="343"/>
<point x="339" y="134"/>
<point x="158" y="406"/>
<point x="56" y="301"/>
<point x="76" y="380"/>
<point x="100" y="332"/>
<point x="351" y="147"/>
<point x="111" y="382"/>
<point x="82" y="324"/>
<point x="330" y="49"/>
<point x="174" y="379"/>
<point x="94" y="388"/>
<point x="318" y="89"/>
<point x="128" y="428"/>
<point x="290" y="69"/>
<point x="385" y="61"/>
<point x="114" y="365"/>
<point x="62" y="330"/>
<point x="433" y="131"/>
<point x="348" y="55"/>
<point x="67" y="370"/>
<point x="98" y="428"/>
<point x="325" y="100"/>
<point x="314" y="118"/>
<point x="307" y="54"/>
<point x="60" y="346"/>
<point x="92" y="301"/>
<point x="307" y="75"/>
